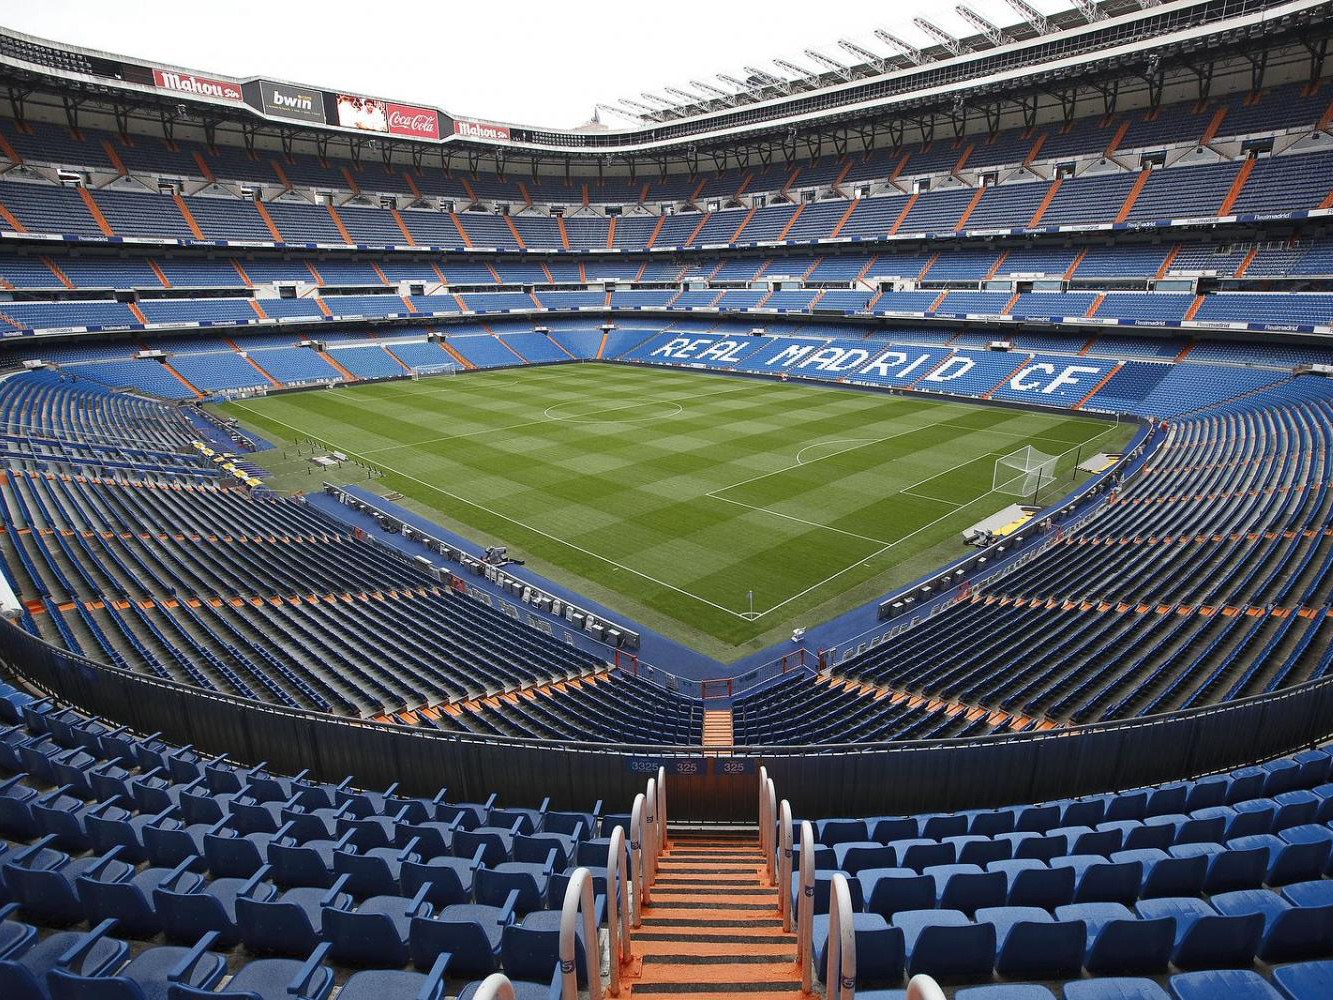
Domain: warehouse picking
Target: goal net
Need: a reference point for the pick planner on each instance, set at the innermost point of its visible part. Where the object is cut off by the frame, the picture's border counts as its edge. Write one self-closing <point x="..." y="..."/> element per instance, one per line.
<point x="1023" y="473"/>
<point x="428" y="371"/>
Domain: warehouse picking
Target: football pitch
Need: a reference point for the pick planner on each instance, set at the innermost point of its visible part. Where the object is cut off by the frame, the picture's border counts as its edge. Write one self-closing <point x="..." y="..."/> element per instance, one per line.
<point x="721" y="511"/>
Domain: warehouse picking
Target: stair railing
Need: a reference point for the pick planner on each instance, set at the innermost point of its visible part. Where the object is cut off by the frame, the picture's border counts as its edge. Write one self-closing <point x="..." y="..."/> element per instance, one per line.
<point x="805" y="905"/>
<point x="618" y="917"/>
<point x="578" y="899"/>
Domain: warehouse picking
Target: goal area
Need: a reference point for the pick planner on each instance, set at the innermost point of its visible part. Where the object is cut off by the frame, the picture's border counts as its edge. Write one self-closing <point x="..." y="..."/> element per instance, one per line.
<point x="429" y="371"/>
<point x="1022" y="473"/>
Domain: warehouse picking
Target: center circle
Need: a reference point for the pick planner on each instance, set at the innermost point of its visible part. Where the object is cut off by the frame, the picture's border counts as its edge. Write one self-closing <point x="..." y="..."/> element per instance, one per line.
<point x="625" y="413"/>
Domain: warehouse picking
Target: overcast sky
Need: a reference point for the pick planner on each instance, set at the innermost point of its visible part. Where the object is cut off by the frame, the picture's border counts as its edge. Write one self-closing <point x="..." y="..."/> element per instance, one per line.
<point x="536" y="63"/>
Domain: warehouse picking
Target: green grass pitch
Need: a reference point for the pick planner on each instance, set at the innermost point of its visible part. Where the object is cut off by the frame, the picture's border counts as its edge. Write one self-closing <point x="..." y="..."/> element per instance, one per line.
<point x="671" y="495"/>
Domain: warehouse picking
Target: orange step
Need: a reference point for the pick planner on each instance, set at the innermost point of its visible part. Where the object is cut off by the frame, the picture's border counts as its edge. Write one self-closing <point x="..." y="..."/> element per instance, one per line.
<point x="268" y="221"/>
<point x="851" y="207"/>
<point x="338" y="223"/>
<point x="1133" y="195"/>
<point x="182" y="380"/>
<point x="1045" y="203"/>
<point x="1242" y="175"/>
<point x="462" y="233"/>
<point x="455" y="355"/>
<point x="712" y="927"/>
<point x="1213" y="126"/>
<point x="791" y="222"/>
<point x="717" y="731"/>
<point x="402" y="227"/>
<point x="1117" y="138"/>
<point x="1098" y="387"/>
<point x="337" y="367"/>
<point x="60" y="275"/>
<point x="255" y="365"/>
<point x="703" y="220"/>
<point x="12" y="220"/>
<point x="971" y="207"/>
<point x="735" y="237"/>
<point x="1168" y="261"/>
<point x="184" y="210"/>
<point x="657" y="228"/>
<point x="903" y="214"/>
<point x="513" y="231"/>
<point x="96" y="212"/>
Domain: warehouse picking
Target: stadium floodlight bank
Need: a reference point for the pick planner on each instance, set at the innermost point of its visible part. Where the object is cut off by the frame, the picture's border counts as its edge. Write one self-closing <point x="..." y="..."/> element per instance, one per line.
<point x="1024" y="472"/>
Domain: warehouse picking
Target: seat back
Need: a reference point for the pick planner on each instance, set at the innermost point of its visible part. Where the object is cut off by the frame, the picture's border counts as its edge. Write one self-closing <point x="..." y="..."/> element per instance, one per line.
<point x="1131" y="947"/>
<point x="275" y="927"/>
<point x="364" y="938"/>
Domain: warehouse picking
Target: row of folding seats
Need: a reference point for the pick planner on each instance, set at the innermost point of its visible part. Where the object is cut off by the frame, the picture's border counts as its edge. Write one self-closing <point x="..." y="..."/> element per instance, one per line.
<point x="1183" y="905"/>
<point x="145" y="841"/>
<point x="1285" y="183"/>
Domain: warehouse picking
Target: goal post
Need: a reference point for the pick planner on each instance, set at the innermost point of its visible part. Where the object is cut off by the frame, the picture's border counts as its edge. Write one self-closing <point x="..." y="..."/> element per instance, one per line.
<point x="1023" y="473"/>
<point x="429" y="371"/>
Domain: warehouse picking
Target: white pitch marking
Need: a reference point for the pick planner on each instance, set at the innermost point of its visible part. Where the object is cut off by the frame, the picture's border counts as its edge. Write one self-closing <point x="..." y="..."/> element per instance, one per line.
<point x="745" y="615"/>
<point x="591" y="418"/>
<point x="820" y="444"/>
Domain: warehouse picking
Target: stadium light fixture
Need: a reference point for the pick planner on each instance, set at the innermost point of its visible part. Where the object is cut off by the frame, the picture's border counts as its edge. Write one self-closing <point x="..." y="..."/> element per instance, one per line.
<point x="652" y="112"/>
<point x="1090" y="11"/>
<point x="954" y="46"/>
<point x="914" y="55"/>
<point x="1032" y="17"/>
<point x="619" y="113"/>
<point x="995" y="35"/>
<point x="844" y="72"/>
<point x="765" y="79"/>
<point x="800" y="76"/>
<point x="728" y="99"/>
<point x="880" y="64"/>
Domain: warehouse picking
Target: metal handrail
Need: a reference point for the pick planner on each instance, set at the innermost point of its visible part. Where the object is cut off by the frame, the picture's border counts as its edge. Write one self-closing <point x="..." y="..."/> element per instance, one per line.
<point x="661" y="812"/>
<point x="764" y="822"/>
<point x="650" y="838"/>
<point x="784" y="865"/>
<point x="618" y="915"/>
<point x="922" y="987"/>
<point x="805" y="905"/>
<point x="578" y="897"/>
<point x="495" y="987"/>
<point x="636" y="858"/>
<point x="840" y="971"/>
